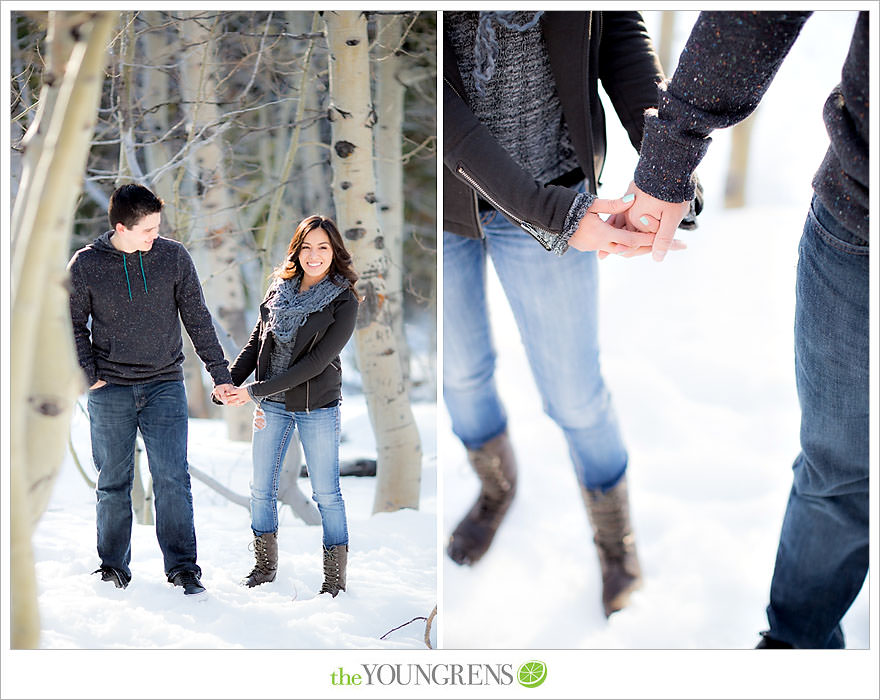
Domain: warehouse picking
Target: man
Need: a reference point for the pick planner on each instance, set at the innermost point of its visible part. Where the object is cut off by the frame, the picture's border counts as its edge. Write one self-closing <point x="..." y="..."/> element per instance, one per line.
<point x="822" y="557"/>
<point x="524" y="145"/>
<point x="136" y="287"/>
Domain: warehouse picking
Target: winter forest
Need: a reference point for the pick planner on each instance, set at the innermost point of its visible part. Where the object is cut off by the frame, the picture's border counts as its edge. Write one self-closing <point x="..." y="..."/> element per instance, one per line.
<point x="243" y="123"/>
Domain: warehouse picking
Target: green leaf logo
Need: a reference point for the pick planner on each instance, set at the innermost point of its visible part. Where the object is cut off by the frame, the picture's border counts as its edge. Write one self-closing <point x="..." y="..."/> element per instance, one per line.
<point x="531" y="674"/>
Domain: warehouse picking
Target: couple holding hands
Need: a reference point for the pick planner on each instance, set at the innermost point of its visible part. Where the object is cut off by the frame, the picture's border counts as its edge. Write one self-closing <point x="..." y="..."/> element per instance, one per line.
<point x="524" y="146"/>
<point x="126" y="324"/>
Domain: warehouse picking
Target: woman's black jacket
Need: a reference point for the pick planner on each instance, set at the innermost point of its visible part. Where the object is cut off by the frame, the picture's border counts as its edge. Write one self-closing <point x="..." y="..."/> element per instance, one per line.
<point x="583" y="47"/>
<point x="314" y="377"/>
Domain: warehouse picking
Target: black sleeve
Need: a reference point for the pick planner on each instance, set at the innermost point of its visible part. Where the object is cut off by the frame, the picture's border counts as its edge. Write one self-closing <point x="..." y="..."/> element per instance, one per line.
<point x="321" y="355"/>
<point x="246" y="362"/>
<point x="476" y="158"/>
<point x="629" y="70"/>
<point x="726" y="67"/>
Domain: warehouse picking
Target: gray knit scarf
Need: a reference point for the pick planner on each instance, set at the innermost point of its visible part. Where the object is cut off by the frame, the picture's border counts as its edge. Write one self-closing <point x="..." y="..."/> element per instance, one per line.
<point x="289" y="309"/>
<point x="486" y="44"/>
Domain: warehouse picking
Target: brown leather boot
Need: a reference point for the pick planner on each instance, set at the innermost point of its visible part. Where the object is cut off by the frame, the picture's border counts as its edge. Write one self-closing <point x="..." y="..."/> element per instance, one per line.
<point x="615" y="543"/>
<point x="495" y="464"/>
<point x="335" y="564"/>
<point x="266" y="555"/>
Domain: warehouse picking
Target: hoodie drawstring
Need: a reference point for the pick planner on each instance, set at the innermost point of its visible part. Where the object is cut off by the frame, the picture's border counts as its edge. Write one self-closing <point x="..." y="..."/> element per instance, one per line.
<point x="125" y="267"/>
<point x="143" y="274"/>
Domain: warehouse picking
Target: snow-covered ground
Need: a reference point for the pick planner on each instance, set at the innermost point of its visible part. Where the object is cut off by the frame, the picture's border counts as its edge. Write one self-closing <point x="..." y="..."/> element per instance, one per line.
<point x="391" y="574"/>
<point x="697" y="352"/>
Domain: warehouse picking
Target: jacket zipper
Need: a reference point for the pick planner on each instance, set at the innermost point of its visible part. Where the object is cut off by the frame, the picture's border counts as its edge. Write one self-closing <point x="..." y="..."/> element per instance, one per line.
<point x="592" y="177"/>
<point x="531" y="229"/>
<point x="476" y="203"/>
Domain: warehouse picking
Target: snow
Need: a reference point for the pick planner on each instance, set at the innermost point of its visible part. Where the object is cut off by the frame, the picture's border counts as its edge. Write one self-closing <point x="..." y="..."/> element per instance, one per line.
<point x="697" y="353"/>
<point x="391" y="571"/>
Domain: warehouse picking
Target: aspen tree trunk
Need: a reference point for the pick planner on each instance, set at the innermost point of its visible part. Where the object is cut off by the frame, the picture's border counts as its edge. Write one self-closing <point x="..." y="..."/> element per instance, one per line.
<point x="738" y="167"/>
<point x="156" y="96"/>
<point x="47" y="379"/>
<point x="212" y="213"/>
<point x="62" y="44"/>
<point x="313" y="158"/>
<point x="666" y="40"/>
<point x="390" y="91"/>
<point x="352" y="117"/>
<point x="270" y="232"/>
<point x="129" y="169"/>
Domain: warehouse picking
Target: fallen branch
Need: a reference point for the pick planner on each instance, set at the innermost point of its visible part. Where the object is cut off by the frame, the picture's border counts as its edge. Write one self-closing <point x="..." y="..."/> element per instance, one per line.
<point x="400" y="626"/>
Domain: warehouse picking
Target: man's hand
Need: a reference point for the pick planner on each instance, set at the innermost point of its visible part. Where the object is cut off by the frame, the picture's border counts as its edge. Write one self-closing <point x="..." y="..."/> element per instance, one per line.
<point x="594" y="234"/>
<point x="97" y="385"/>
<point x="651" y="214"/>
<point x="222" y="391"/>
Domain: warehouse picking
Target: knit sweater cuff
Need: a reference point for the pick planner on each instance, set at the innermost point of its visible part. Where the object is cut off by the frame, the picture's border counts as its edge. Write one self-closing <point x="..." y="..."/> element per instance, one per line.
<point x="576" y="212"/>
<point x="668" y="160"/>
<point x="250" y="391"/>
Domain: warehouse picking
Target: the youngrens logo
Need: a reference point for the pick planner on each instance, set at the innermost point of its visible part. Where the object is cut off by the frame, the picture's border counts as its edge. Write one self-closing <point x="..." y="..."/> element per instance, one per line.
<point x="531" y="674"/>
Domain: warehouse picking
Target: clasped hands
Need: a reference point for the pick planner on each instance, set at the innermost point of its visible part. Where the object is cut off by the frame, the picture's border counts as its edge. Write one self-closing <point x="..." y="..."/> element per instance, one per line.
<point x="637" y="224"/>
<point x="230" y="395"/>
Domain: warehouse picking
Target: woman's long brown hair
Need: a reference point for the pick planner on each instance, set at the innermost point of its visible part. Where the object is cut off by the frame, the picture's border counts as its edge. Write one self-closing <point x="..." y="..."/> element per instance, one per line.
<point x="341" y="263"/>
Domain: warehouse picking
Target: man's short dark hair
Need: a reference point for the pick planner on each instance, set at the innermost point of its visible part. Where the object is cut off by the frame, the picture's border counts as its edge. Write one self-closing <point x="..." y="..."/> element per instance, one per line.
<point x="131" y="203"/>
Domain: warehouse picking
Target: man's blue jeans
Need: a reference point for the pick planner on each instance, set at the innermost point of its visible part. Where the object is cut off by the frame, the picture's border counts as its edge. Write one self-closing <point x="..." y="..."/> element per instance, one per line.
<point x="553" y="300"/>
<point x="319" y="435"/>
<point x="159" y="410"/>
<point x="822" y="557"/>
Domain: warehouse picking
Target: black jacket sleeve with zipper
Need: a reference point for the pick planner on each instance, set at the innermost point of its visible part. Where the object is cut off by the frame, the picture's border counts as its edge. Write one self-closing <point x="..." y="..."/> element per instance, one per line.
<point x="583" y="47"/>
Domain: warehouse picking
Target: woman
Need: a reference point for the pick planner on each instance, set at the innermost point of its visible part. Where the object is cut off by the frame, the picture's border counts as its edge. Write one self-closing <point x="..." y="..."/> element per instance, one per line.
<point x="306" y="319"/>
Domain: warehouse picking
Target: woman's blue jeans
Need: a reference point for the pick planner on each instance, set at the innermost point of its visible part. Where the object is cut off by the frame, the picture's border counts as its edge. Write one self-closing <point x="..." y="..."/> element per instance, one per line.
<point x="822" y="559"/>
<point x="553" y="300"/>
<point x="159" y="410"/>
<point x="319" y="435"/>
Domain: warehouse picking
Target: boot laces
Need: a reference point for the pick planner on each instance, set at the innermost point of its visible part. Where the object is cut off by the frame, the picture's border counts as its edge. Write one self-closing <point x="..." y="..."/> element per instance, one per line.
<point x="488" y="468"/>
<point x="611" y="526"/>
<point x="261" y="556"/>
<point x="331" y="572"/>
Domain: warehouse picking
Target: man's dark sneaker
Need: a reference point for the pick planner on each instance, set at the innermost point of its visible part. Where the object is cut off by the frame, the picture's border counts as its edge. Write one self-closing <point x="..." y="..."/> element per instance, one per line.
<point x="108" y="573"/>
<point x="767" y="642"/>
<point x="190" y="582"/>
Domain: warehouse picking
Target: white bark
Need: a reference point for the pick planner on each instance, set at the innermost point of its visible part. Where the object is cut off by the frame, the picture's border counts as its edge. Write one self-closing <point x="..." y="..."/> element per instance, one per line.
<point x="47" y="379"/>
<point x="390" y="92"/>
<point x="214" y="229"/>
<point x="156" y="96"/>
<point x="354" y="187"/>
<point x="271" y="230"/>
<point x="313" y="171"/>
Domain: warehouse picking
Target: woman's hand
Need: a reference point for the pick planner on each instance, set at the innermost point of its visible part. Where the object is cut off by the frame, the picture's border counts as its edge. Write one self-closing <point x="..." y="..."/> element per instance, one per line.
<point x="237" y="397"/>
<point x="593" y="233"/>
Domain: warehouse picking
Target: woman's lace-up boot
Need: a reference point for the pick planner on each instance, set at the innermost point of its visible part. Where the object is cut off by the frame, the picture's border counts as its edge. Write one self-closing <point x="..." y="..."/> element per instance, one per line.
<point x="495" y="464"/>
<point x="615" y="543"/>
<point x="335" y="564"/>
<point x="266" y="555"/>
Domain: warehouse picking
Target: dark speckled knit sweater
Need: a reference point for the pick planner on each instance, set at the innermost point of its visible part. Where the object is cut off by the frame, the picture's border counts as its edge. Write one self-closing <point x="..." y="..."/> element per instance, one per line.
<point x="724" y="71"/>
<point x="136" y="303"/>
